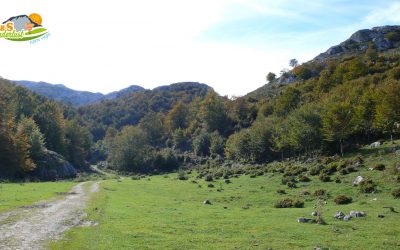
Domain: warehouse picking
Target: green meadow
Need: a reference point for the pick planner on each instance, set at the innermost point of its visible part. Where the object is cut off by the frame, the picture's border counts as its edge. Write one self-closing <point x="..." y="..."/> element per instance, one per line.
<point x="14" y="195"/>
<point x="162" y="212"/>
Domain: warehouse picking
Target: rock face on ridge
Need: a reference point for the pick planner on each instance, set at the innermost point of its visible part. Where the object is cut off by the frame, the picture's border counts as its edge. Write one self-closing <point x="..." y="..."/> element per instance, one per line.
<point x="383" y="38"/>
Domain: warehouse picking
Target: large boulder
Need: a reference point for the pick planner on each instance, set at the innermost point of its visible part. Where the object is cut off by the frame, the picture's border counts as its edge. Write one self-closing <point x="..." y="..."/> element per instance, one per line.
<point x="53" y="166"/>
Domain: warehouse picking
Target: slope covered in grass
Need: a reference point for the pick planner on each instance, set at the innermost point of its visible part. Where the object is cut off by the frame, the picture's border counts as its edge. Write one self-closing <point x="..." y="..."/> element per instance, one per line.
<point x="162" y="212"/>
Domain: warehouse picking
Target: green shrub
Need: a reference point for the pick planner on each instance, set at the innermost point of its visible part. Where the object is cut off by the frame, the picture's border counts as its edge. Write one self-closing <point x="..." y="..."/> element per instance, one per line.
<point x="280" y="191"/>
<point x="210" y="185"/>
<point x="316" y="170"/>
<point x="291" y="184"/>
<point x="304" y="178"/>
<point x="209" y="178"/>
<point x="342" y="199"/>
<point x="286" y="180"/>
<point x="367" y="186"/>
<point x="324" y="177"/>
<point x="332" y="168"/>
<point x="182" y="176"/>
<point x="380" y="167"/>
<point x="135" y="177"/>
<point x="320" y="192"/>
<point x="298" y="203"/>
<point x="338" y="179"/>
<point x="396" y="193"/>
<point x="288" y="203"/>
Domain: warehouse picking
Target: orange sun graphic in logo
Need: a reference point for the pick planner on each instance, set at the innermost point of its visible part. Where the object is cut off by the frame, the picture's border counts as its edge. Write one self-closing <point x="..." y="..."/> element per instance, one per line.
<point x="36" y="18"/>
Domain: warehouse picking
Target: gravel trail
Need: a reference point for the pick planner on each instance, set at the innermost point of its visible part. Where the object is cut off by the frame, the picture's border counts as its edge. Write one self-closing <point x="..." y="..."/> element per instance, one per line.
<point x="31" y="227"/>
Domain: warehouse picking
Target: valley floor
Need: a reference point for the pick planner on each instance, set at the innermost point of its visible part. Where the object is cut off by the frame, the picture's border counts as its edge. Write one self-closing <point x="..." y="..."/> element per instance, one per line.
<point x="162" y="212"/>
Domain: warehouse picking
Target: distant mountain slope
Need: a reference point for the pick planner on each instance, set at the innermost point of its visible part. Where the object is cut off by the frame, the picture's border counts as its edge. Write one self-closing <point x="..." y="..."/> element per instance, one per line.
<point x="61" y="93"/>
<point x="130" y="108"/>
<point x="384" y="39"/>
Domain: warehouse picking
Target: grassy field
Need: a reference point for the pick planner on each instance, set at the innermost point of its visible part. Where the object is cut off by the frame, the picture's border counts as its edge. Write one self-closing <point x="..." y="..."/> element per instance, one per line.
<point x="13" y="195"/>
<point x="161" y="212"/>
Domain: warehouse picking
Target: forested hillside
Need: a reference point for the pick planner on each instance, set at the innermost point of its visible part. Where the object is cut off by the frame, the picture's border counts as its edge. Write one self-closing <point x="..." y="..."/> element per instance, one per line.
<point x="330" y="105"/>
<point x="35" y="138"/>
<point x="344" y="98"/>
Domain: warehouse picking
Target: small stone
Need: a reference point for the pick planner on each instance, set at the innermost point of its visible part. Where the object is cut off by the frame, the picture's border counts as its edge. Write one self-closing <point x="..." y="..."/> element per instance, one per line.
<point x="375" y="144"/>
<point x="358" y="180"/>
<point x="347" y="218"/>
<point x="207" y="202"/>
<point x="314" y="214"/>
<point x="339" y="215"/>
<point x="303" y="220"/>
<point x="356" y="214"/>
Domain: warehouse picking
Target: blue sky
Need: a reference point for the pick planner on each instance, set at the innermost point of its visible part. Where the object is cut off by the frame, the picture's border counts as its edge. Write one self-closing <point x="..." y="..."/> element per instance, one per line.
<point x="106" y="45"/>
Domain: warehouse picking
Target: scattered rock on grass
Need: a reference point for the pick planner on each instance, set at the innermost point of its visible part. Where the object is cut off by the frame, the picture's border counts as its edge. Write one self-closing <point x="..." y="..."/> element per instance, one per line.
<point x="339" y="215"/>
<point x="207" y="202"/>
<point x="357" y="214"/>
<point x="315" y="214"/>
<point x="358" y="180"/>
<point x="375" y="144"/>
<point x="347" y="218"/>
<point x="303" y="220"/>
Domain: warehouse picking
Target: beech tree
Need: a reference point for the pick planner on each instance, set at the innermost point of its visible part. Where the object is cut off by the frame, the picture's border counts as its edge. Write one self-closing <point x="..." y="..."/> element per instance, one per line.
<point x="338" y="122"/>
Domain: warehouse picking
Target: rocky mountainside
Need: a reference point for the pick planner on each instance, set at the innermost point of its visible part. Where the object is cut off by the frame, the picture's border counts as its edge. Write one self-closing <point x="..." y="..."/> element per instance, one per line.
<point x="383" y="38"/>
<point x="64" y="94"/>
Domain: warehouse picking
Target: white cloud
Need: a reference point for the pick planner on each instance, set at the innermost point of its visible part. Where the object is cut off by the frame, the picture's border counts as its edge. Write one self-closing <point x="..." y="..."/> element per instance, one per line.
<point x="386" y="14"/>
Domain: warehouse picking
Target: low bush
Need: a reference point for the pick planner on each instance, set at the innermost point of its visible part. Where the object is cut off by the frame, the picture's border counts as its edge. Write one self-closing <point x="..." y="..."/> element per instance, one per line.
<point x="291" y="184"/>
<point x="338" y="179"/>
<point x="324" y="177"/>
<point x="320" y="192"/>
<point x="208" y="178"/>
<point x="280" y="191"/>
<point x="288" y="203"/>
<point x="396" y="193"/>
<point x="342" y="199"/>
<point x="380" y="167"/>
<point x="304" y="178"/>
<point x="287" y="179"/>
<point x="316" y="170"/>
<point x="330" y="169"/>
<point x="135" y="177"/>
<point x="367" y="186"/>
<point x="182" y="176"/>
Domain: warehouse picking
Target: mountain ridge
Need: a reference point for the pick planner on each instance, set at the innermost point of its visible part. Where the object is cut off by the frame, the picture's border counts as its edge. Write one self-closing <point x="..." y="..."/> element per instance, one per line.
<point x="60" y="92"/>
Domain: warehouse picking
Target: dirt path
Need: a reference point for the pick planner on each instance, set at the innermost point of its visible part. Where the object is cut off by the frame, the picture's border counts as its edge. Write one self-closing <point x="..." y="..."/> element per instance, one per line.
<point x="33" y="226"/>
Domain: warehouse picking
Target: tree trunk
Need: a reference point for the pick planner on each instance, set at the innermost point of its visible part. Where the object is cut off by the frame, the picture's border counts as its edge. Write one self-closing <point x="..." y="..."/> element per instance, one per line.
<point x="341" y="147"/>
